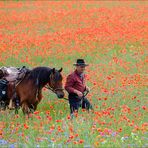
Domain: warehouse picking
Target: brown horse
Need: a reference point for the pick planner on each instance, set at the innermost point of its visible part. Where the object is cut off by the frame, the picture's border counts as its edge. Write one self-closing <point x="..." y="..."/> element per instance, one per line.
<point x="29" y="90"/>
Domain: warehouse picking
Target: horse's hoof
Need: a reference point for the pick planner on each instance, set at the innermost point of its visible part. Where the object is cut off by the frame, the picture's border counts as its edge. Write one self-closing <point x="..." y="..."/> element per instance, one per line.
<point x="11" y="108"/>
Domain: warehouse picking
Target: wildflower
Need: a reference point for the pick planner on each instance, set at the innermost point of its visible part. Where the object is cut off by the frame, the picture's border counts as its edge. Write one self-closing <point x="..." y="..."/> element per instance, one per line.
<point x="144" y="107"/>
<point x="99" y="129"/>
<point x="71" y="137"/>
<point x="81" y="141"/>
<point x="75" y="142"/>
<point x="120" y="130"/>
<point x="3" y="142"/>
<point x="58" y="120"/>
<point x="26" y="126"/>
<point x="124" y="138"/>
<point x="36" y="112"/>
<point x="105" y="98"/>
<point x="68" y="117"/>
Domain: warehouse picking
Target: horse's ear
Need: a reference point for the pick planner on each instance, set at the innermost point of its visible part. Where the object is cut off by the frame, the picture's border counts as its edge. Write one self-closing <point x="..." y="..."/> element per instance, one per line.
<point x="53" y="70"/>
<point x="60" y="69"/>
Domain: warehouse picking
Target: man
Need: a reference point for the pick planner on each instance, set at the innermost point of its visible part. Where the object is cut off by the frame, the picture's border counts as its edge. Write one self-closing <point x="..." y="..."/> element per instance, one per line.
<point x="75" y="86"/>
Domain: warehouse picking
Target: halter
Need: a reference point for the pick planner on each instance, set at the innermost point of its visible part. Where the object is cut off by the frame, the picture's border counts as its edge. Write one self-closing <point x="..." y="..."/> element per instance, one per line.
<point x="53" y="90"/>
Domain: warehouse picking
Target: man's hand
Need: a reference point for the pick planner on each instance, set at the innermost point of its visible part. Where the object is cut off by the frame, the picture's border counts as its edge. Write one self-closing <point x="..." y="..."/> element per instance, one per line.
<point x="87" y="89"/>
<point x="80" y="94"/>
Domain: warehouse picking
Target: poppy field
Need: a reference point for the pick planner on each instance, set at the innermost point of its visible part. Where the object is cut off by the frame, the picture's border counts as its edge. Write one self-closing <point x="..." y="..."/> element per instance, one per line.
<point x="112" y="37"/>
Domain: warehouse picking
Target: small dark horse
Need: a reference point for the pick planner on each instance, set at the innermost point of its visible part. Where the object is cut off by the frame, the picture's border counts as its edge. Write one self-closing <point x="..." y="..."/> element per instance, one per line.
<point x="29" y="90"/>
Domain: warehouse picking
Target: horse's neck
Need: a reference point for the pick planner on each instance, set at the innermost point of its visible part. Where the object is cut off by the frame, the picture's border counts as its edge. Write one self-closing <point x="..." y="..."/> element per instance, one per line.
<point x="42" y="78"/>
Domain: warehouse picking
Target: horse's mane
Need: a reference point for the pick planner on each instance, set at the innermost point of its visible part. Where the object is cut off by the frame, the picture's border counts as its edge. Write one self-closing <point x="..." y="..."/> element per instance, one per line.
<point x="40" y="75"/>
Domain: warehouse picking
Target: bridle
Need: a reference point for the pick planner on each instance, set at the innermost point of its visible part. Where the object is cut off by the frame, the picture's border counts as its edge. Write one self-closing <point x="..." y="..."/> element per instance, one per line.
<point x="53" y="90"/>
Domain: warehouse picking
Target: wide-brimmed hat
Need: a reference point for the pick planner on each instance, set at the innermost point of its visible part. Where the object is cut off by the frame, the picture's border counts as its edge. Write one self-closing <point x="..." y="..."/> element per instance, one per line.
<point x="80" y="62"/>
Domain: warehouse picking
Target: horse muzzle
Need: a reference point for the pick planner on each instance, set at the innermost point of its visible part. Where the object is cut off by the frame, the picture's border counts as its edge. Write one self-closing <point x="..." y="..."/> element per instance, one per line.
<point x="60" y="95"/>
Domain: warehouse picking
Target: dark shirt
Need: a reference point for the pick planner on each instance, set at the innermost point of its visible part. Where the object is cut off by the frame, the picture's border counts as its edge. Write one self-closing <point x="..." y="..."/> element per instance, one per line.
<point x="74" y="82"/>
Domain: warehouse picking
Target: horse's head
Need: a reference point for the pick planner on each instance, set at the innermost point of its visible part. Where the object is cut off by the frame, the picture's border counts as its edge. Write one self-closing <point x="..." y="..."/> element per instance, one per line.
<point x="56" y="82"/>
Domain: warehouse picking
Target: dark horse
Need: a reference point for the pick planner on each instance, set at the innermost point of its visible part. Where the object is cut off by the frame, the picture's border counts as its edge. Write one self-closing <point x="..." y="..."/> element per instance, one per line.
<point x="29" y="90"/>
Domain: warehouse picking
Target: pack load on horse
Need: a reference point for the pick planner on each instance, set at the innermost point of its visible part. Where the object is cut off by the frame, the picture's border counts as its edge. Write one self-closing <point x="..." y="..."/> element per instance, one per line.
<point x="9" y="77"/>
<point x="3" y="92"/>
<point x="28" y="91"/>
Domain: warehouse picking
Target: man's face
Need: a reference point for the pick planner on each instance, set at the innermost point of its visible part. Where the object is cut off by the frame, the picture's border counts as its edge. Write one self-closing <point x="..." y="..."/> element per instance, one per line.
<point x="80" y="69"/>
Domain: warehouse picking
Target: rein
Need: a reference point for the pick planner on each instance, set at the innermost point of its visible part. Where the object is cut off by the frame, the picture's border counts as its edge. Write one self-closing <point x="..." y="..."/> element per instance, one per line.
<point x="84" y="95"/>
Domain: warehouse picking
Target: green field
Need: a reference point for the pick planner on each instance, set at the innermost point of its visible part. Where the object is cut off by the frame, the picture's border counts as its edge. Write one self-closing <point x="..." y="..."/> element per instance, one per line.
<point x="113" y="38"/>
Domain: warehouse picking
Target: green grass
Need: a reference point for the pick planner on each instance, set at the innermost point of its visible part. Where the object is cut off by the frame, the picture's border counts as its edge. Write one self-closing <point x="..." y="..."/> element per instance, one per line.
<point x="117" y="75"/>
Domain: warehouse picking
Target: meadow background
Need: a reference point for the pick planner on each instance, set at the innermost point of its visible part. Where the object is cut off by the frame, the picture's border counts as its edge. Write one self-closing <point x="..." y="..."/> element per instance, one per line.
<point x="113" y="38"/>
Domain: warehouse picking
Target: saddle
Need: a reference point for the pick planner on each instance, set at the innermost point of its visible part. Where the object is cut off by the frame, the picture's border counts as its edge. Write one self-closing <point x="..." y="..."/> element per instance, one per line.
<point x="22" y="73"/>
<point x="12" y="74"/>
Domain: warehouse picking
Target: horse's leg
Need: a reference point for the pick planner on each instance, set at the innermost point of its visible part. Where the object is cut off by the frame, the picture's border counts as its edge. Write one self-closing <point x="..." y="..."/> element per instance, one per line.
<point x="10" y="106"/>
<point x="39" y="95"/>
<point x="38" y="99"/>
<point x="25" y="108"/>
<point x="33" y="106"/>
<point x="12" y="99"/>
<point x="9" y="99"/>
